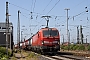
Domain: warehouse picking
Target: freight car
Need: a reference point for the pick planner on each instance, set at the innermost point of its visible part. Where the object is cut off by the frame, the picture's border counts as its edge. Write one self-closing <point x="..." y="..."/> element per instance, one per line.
<point x="46" y="40"/>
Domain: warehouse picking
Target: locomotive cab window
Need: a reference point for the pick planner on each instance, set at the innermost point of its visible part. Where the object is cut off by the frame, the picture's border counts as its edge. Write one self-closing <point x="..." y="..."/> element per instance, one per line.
<point x="52" y="33"/>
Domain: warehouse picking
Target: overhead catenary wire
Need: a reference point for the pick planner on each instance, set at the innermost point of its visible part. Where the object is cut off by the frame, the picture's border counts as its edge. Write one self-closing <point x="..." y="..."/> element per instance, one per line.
<point x="78" y="4"/>
<point x="77" y="15"/>
<point x="80" y="12"/>
<point x="19" y="7"/>
<point x="29" y="10"/>
<point x="37" y="24"/>
<point x="31" y="5"/>
<point x="34" y="5"/>
<point x="47" y="5"/>
<point x="25" y="8"/>
<point x="32" y="12"/>
<point x="83" y="12"/>
<point x="53" y="6"/>
<point x="74" y="8"/>
<point x="33" y="8"/>
<point x="37" y="14"/>
<point x="44" y="9"/>
<point x="31" y="15"/>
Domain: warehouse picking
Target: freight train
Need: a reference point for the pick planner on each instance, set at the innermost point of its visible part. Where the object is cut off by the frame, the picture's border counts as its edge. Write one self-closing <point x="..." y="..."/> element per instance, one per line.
<point x="46" y="40"/>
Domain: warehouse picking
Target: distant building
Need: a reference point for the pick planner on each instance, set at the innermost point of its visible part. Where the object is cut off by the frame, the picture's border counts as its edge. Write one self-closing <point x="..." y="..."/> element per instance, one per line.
<point x="3" y="34"/>
<point x="66" y="43"/>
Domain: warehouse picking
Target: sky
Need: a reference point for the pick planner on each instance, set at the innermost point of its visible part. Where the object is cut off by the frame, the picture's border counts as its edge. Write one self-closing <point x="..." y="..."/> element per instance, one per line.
<point x="32" y="22"/>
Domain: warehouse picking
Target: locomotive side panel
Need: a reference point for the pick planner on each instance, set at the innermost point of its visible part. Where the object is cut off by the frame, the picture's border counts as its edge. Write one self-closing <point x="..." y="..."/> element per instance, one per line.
<point x="40" y="40"/>
<point x="26" y="42"/>
<point x="35" y="40"/>
<point x="29" y="46"/>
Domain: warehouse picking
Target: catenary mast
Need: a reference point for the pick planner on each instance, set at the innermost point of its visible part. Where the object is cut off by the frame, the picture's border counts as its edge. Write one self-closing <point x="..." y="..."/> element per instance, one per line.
<point x="18" y="29"/>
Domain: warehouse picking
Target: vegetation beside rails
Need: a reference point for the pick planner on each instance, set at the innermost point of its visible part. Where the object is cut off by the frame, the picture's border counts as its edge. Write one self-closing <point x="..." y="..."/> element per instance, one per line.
<point x="32" y="56"/>
<point x="3" y="53"/>
<point x="77" y="47"/>
<point x="26" y="54"/>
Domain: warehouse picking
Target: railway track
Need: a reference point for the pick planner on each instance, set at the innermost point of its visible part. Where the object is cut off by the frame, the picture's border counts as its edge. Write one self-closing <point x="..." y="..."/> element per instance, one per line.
<point x="65" y="56"/>
<point x="61" y="58"/>
<point x="58" y="56"/>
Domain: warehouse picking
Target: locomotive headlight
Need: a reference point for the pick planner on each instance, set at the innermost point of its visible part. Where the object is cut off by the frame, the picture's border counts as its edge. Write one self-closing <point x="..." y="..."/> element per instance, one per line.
<point x="42" y="42"/>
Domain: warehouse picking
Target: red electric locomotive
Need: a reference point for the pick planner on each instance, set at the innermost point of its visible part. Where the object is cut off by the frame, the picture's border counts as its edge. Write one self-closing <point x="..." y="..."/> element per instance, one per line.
<point x="26" y="44"/>
<point x="46" y="40"/>
<point x="22" y="45"/>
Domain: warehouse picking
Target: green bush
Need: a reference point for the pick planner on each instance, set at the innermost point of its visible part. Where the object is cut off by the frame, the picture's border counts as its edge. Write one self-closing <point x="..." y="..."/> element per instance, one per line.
<point x="66" y="47"/>
<point x="3" y="54"/>
<point x="72" y="47"/>
<point x="78" y="47"/>
<point x="88" y="47"/>
<point x="62" y="46"/>
<point x="81" y="47"/>
<point x="75" y="47"/>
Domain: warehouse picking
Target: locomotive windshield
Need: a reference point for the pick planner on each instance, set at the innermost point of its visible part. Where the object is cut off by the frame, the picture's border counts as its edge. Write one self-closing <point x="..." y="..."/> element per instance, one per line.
<point x="52" y="33"/>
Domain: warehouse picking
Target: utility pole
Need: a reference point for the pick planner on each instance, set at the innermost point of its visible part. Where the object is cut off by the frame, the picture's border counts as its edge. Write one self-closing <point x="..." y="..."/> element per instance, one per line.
<point x="7" y="27"/>
<point x="63" y="38"/>
<point x="67" y="26"/>
<point x="18" y="30"/>
<point x="21" y="36"/>
<point x="46" y="19"/>
<point x="81" y="34"/>
<point x="78" y="35"/>
<point x="86" y="38"/>
<point x="69" y="36"/>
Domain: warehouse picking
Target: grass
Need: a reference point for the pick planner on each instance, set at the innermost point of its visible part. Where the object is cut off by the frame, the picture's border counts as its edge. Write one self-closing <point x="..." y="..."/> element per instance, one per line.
<point x="26" y="55"/>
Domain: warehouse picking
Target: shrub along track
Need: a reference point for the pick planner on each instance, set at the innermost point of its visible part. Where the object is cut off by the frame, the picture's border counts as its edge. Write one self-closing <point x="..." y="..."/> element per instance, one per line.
<point x="24" y="55"/>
